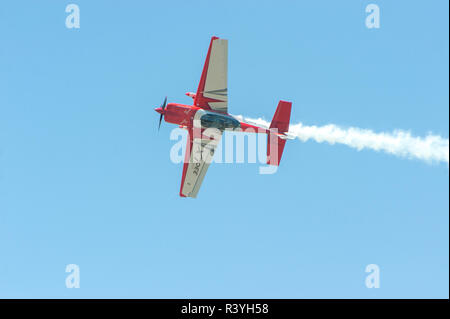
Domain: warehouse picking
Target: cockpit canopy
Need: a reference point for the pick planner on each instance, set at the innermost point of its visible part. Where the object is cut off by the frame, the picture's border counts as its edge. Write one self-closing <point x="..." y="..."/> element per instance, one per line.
<point x="219" y="121"/>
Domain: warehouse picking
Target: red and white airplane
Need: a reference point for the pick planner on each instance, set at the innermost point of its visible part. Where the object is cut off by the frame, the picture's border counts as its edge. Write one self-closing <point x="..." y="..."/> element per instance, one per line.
<point x="210" y="111"/>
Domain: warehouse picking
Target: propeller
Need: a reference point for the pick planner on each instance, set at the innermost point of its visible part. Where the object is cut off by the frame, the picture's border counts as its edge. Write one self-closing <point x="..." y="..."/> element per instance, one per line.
<point x="160" y="110"/>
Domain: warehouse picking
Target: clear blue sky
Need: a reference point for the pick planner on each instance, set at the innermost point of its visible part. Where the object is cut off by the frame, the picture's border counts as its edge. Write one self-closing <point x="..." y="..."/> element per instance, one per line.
<point x="85" y="178"/>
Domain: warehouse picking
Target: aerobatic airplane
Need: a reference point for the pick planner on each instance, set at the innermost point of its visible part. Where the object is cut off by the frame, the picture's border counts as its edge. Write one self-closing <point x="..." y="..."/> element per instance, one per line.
<point x="209" y="112"/>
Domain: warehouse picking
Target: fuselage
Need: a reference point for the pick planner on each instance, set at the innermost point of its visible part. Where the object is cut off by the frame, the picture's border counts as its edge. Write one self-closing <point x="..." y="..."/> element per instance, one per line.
<point x="186" y="116"/>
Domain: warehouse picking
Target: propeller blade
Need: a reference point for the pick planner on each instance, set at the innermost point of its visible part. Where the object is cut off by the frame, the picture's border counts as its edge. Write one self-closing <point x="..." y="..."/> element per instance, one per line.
<point x="160" y="119"/>
<point x="163" y="106"/>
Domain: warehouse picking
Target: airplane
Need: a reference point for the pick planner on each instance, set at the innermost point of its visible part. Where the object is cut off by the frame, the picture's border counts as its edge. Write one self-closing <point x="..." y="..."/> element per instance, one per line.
<point x="209" y="111"/>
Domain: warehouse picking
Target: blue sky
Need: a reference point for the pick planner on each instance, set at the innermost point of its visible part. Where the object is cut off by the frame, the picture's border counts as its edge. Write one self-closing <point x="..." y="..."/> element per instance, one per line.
<point x="85" y="178"/>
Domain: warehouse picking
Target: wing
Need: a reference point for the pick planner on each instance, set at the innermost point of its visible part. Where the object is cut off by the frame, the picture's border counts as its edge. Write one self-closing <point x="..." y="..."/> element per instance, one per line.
<point x="212" y="92"/>
<point x="198" y="156"/>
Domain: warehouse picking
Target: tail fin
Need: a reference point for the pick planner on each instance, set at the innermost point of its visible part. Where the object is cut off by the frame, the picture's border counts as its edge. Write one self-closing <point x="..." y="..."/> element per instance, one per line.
<point x="278" y="126"/>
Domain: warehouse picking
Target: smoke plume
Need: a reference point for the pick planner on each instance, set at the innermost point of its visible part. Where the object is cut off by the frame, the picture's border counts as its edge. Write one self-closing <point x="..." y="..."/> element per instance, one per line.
<point x="431" y="148"/>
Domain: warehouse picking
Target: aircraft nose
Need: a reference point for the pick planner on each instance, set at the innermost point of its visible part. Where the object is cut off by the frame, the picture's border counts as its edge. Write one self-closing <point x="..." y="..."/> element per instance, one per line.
<point x="159" y="110"/>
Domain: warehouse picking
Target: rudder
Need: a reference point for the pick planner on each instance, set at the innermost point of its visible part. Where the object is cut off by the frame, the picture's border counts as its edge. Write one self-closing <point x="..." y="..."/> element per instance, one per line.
<point x="279" y="124"/>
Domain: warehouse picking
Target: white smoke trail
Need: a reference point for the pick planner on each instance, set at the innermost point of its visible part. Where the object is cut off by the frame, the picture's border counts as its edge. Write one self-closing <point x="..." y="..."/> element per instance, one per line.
<point x="431" y="148"/>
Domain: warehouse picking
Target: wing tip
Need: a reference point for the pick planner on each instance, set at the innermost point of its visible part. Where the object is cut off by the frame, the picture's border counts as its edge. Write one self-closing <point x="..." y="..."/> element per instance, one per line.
<point x="187" y="196"/>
